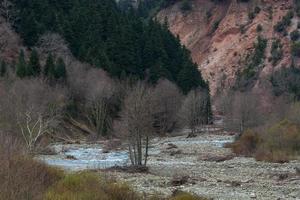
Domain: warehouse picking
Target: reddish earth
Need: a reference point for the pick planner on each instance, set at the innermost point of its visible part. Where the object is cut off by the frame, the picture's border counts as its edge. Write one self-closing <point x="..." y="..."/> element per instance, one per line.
<point x="220" y="53"/>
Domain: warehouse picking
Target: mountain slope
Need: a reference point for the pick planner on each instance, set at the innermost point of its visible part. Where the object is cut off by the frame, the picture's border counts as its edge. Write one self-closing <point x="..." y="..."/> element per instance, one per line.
<point x="221" y="34"/>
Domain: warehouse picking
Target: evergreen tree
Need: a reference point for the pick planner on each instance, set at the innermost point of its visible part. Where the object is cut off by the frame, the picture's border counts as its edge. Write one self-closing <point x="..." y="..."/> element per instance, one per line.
<point x="60" y="70"/>
<point x="49" y="69"/>
<point x="21" y="69"/>
<point x="34" y="67"/>
<point x="2" y="69"/>
<point x="157" y="72"/>
<point x="120" y="42"/>
<point x="190" y="78"/>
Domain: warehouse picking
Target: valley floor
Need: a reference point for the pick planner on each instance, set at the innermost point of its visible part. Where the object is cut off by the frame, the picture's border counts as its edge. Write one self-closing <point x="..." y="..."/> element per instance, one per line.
<point x="200" y="161"/>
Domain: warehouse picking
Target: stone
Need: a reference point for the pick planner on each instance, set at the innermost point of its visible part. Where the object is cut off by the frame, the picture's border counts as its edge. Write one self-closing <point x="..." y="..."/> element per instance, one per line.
<point x="253" y="195"/>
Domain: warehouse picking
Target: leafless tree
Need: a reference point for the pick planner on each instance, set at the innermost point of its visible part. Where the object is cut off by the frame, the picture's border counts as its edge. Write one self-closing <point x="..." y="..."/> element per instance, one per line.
<point x="35" y="108"/>
<point x="167" y="101"/>
<point x="242" y="111"/>
<point x="194" y="110"/>
<point x="55" y="44"/>
<point x="5" y="9"/>
<point x="136" y="123"/>
<point x="99" y="101"/>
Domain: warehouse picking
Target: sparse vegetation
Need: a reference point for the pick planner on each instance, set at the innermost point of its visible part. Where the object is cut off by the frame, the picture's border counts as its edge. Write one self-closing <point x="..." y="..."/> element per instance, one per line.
<point x="276" y="52"/>
<point x="253" y="63"/>
<point x="252" y="14"/>
<point x="242" y="29"/>
<point x="215" y="26"/>
<point x="287" y="81"/>
<point x="295" y="48"/>
<point x="294" y="35"/>
<point x="284" y="23"/>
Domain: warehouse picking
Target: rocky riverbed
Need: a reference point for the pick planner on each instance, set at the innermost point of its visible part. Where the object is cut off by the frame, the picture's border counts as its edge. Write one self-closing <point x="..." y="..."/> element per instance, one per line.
<point x="199" y="165"/>
<point x="203" y="166"/>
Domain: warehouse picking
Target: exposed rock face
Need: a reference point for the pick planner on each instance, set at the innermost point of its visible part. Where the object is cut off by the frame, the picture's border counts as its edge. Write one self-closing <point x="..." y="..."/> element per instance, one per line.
<point x="220" y="51"/>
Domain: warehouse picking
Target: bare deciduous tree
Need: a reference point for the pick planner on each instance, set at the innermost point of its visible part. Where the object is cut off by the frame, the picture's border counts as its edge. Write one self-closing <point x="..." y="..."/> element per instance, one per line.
<point x="194" y="110"/>
<point x="34" y="107"/>
<point x="136" y="123"/>
<point x="5" y="9"/>
<point x="242" y="111"/>
<point x="167" y="100"/>
<point x="99" y="101"/>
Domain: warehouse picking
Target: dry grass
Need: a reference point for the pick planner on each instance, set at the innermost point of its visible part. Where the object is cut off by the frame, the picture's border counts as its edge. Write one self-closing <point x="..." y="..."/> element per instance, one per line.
<point x="88" y="185"/>
<point x="82" y="186"/>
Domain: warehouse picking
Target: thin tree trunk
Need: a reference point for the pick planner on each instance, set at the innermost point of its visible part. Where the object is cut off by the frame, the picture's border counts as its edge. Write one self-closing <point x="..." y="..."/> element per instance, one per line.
<point x="130" y="155"/>
<point x="146" y="150"/>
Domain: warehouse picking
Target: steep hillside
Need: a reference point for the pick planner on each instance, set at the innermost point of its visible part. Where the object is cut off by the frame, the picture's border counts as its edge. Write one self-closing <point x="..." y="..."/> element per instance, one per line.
<point x="220" y="35"/>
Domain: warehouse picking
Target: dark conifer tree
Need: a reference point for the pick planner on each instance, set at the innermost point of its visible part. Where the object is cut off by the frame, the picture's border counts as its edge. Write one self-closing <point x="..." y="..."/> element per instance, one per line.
<point x="21" y="68"/>
<point x="60" y="70"/>
<point x="34" y="67"/>
<point x="49" y="68"/>
<point x="118" y="41"/>
<point x="3" y="69"/>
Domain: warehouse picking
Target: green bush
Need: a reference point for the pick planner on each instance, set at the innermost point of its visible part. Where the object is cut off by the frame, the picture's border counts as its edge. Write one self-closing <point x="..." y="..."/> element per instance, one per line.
<point x="215" y="26"/>
<point x="276" y="52"/>
<point x="259" y="28"/>
<point x="252" y="15"/>
<point x="295" y="48"/>
<point x="285" y="22"/>
<point x="294" y="35"/>
<point x="257" y="10"/>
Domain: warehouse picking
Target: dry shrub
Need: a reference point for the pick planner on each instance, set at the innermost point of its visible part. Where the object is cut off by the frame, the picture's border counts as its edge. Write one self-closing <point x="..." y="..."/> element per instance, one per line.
<point x="89" y="186"/>
<point x="22" y="177"/>
<point x="83" y="186"/>
<point x="119" y="191"/>
<point x="280" y="143"/>
<point x="271" y="156"/>
<point x="77" y="187"/>
<point x="246" y="145"/>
